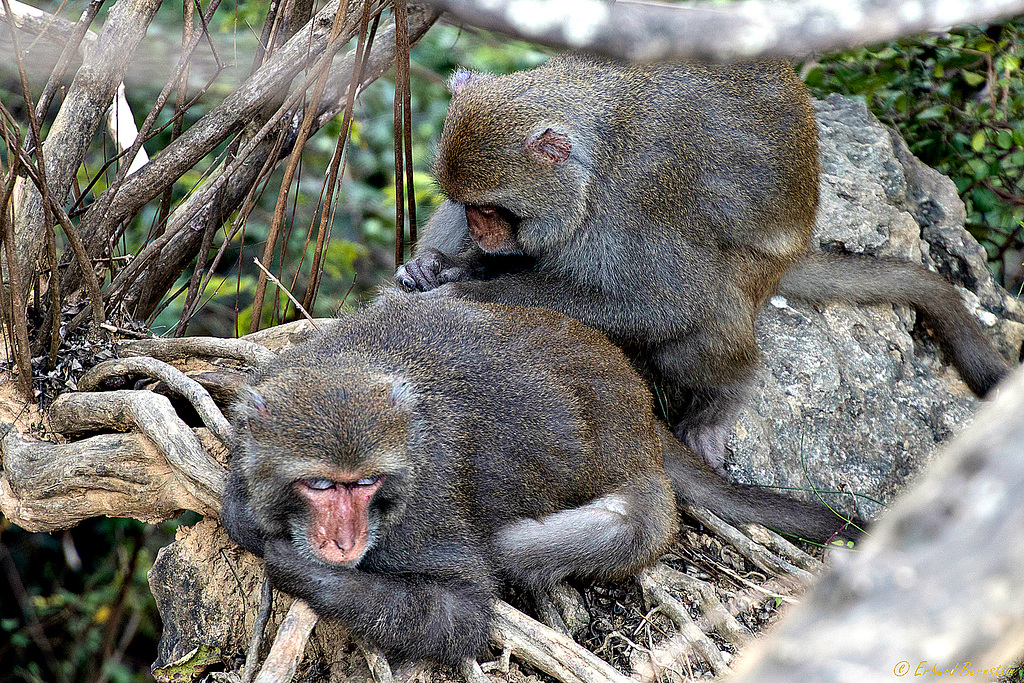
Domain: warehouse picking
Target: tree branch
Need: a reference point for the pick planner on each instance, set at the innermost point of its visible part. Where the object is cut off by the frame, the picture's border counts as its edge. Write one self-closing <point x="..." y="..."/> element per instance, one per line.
<point x="709" y="30"/>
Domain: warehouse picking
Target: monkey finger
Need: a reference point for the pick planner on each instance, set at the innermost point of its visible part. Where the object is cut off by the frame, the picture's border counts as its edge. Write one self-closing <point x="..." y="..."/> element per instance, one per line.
<point x="404" y="280"/>
<point x="454" y="274"/>
<point x="423" y="272"/>
<point x="444" y="291"/>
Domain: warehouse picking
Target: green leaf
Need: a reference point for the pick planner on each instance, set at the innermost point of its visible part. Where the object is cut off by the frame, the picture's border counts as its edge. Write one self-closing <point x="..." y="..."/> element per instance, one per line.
<point x="191" y="666"/>
<point x="979" y="167"/>
<point x="978" y="141"/>
<point x="1004" y="139"/>
<point x="973" y="79"/>
<point x="984" y="199"/>
<point x="933" y="112"/>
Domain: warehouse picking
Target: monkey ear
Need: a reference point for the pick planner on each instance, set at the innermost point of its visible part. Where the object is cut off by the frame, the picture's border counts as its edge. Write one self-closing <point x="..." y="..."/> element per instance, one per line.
<point x="550" y="146"/>
<point x="252" y="408"/>
<point x="462" y="79"/>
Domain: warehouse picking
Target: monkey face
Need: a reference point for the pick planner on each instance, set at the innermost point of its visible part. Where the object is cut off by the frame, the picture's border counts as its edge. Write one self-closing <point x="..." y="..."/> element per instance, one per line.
<point x="517" y="164"/>
<point x="492" y="228"/>
<point x="342" y="523"/>
<point x="324" y="459"/>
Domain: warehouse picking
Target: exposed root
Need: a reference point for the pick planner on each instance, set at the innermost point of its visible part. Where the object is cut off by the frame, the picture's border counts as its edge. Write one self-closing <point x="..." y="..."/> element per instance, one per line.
<point x="289" y="645"/>
<point x="178" y="381"/>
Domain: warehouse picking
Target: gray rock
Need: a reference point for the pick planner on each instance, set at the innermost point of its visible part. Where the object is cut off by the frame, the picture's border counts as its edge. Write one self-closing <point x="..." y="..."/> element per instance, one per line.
<point x="857" y="398"/>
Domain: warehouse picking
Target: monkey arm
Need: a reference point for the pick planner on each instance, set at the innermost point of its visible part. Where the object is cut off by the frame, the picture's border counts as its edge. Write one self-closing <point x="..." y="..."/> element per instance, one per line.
<point x="446" y="231"/>
<point x="431" y="268"/>
<point x="443" y="615"/>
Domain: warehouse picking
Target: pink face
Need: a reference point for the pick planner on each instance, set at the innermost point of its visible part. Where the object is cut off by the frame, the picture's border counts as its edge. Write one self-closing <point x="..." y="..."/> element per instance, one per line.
<point x="489" y="228"/>
<point x="339" y="531"/>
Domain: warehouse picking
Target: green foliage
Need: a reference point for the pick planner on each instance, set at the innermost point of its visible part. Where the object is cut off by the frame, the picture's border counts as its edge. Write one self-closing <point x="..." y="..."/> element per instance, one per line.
<point x="958" y="100"/>
<point x="79" y="604"/>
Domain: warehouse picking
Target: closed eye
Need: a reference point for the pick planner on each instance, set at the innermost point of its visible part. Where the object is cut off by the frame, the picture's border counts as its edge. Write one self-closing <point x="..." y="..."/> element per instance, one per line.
<point x="317" y="484"/>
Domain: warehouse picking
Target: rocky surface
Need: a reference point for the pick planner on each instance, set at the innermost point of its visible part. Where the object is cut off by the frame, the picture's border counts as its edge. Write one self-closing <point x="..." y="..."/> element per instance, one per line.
<point x="857" y="398"/>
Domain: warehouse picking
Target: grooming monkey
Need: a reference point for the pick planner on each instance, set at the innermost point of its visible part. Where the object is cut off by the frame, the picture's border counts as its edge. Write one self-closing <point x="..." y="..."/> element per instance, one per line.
<point x="661" y="204"/>
<point x="392" y="471"/>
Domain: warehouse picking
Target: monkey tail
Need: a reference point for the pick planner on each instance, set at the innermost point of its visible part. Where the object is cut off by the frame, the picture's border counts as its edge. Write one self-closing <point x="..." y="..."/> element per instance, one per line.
<point x="696" y="484"/>
<point x="826" y="278"/>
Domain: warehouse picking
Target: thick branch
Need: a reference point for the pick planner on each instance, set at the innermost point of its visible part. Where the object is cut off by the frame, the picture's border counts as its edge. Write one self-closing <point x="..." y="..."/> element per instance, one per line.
<point x="169" y="350"/>
<point x="548" y="650"/>
<point x="84" y="106"/>
<point x="180" y="383"/>
<point x="151" y="415"/>
<point x="715" y="31"/>
<point x="289" y="644"/>
<point x="46" y="487"/>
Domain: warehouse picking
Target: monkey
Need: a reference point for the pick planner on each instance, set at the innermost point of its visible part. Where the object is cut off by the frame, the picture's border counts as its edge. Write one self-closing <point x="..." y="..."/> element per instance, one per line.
<point x="396" y="470"/>
<point x="662" y="204"/>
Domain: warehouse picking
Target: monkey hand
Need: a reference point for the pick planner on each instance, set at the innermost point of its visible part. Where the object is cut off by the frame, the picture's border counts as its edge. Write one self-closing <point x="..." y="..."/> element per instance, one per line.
<point x="430" y="270"/>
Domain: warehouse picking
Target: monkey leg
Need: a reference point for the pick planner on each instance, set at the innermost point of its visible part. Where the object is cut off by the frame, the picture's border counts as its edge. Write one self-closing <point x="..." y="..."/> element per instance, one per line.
<point x="608" y="538"/>
<point x="701" y="382"/>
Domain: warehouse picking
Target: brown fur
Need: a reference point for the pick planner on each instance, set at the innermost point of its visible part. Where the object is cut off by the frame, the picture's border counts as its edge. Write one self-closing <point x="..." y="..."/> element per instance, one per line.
<point x="686" y="192"/>
<point x="506" y="444"/>
<point x="661" y="204"/>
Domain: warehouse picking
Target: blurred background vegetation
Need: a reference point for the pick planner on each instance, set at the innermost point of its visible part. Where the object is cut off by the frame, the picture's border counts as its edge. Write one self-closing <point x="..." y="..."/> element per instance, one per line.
<point x="76" y="606"/>
<point x="958" y="101"/>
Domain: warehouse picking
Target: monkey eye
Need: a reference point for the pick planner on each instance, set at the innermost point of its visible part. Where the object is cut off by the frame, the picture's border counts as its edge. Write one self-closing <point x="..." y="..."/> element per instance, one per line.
<point x="318" y="484"/>
<point x="368" y="481"/>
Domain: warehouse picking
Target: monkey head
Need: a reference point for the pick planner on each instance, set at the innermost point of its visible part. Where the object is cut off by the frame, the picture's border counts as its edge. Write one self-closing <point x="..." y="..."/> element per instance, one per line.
<point x="515" y="164"/>
<point x="324" y="458"/>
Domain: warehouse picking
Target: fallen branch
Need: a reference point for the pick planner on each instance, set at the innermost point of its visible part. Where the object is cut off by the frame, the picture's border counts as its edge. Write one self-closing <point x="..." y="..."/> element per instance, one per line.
<point x="548" y="650"/>
<point x="289" y="645"/>
<point x="48" y="487"/>
<point x="717" y="31"/>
